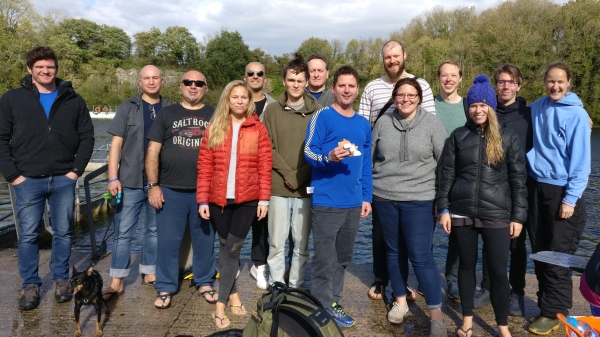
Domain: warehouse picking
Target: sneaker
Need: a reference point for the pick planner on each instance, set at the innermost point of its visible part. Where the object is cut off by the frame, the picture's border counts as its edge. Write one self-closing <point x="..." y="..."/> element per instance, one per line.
<point x="482" y="298"/>
<point x="452" y="289"/>
<point x="517" y="305"/>
<point x="340" y="317"/>
<point x="61" y="291"/>
<point x="544" y="325"/>
<point x="396" y="314"/>
<point x="30" y="297"/>
<point x="438" y="328"/>
<point x="261" y="275"/>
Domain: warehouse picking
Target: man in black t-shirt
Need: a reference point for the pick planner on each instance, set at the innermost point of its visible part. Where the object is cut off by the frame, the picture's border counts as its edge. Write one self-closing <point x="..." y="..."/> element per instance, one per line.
<point x="171" y="169"/>
<point x="255" y="78"/>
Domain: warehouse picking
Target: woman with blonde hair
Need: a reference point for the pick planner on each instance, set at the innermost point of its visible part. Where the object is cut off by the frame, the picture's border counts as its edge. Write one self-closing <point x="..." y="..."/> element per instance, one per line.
<point x="482" y="191"/>
<point x="234" y="184"/>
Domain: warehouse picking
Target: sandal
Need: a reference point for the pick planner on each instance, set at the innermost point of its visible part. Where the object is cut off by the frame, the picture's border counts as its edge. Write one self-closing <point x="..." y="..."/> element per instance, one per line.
<point x="222" y="326"/>
<point x="466" y="333"/>
<point x="163" y="298"/>
<point x="410" y="295"/>
<point x="377" y="290"/>
<point x="240" y="307"/>
<point x="212" y="294"/>
<point x="151" y="283"/>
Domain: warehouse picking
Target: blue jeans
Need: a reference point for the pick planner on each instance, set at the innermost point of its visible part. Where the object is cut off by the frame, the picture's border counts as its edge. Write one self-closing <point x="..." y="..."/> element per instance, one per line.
<point x="180" y="207"/>
<point x="127" y="216"/>
<point x="408" y="231"/>
<point x="334" y="233"/>
<point x="31" y="196"/>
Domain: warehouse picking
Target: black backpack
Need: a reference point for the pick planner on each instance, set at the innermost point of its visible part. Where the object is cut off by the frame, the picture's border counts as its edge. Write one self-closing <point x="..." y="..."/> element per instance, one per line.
<point x="290" y="312"/>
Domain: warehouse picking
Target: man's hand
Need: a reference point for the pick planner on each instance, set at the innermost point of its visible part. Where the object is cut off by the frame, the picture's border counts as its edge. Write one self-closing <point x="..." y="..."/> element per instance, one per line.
<point x="515" y="229"/>
<point x="446" y="222"/>
<point x="365" y="209"/>
<point x="155" y="197"/>
<point x="72" y="175"/>
<point x="17" y="181"/>
<point x="261" y="212"/>
<point x="204" y="212"/>
<point x="339" y="153"/>
<point x="565" y="211"/>
<point x="114" y="187"/>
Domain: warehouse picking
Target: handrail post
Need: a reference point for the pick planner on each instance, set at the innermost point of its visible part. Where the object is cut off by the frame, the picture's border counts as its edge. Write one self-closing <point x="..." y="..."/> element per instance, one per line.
<point x="88" y="206"/>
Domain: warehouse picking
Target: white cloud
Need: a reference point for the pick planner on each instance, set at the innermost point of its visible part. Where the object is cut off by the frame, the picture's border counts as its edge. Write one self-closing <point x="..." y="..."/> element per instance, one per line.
<point x="277" y="26"/>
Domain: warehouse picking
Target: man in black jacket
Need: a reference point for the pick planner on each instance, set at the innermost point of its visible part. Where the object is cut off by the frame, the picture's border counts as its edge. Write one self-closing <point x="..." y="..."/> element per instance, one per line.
<point x="46" y="141"/>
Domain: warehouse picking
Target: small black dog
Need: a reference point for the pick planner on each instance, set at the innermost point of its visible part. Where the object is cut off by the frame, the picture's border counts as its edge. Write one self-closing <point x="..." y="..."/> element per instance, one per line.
<point x="87" y="288"/>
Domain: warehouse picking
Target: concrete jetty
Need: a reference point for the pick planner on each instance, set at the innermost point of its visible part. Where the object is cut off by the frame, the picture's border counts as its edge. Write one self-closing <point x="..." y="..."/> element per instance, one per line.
<point x="133" y="313"/>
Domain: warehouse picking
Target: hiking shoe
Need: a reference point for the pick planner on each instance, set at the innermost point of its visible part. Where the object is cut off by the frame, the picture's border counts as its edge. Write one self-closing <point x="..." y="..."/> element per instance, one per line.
<point x="30" y="297"/>
<point x="261" y="275"/>
<point x="396" y="314"/>
<point x="543" y="325"/>
<point x="340" y="317"/>
<point x="517" y="305"/>
<point x="61" y="291"/>
<point x="438" y="328"/>
<point x="482" y="298"/>
<point x="452" y="289"/>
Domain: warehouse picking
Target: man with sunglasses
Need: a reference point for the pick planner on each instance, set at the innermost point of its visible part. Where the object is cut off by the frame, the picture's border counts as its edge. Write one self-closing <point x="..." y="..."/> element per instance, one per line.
<point x="256" y="79"/>
<point x="171" y="167"/>
<point x="126" y="175"/>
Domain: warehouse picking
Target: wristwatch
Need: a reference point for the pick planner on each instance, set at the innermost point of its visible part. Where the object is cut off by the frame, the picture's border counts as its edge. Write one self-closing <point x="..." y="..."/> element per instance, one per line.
<point x="150" y="185"/>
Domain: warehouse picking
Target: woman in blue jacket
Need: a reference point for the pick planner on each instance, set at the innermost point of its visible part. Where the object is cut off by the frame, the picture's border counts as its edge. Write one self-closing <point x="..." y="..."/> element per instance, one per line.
<point x="559" y="169"/>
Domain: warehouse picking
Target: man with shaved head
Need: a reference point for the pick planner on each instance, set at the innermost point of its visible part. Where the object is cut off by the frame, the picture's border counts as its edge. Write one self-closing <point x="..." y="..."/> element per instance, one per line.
<point x="171" y="170"/>
<point x="126" y="175"/>
<point x="255" y="77"/>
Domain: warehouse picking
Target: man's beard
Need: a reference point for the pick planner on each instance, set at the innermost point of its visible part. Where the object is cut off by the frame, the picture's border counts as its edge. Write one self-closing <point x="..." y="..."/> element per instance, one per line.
<point x="395" y="76"/>
<point x="191" y="100"/>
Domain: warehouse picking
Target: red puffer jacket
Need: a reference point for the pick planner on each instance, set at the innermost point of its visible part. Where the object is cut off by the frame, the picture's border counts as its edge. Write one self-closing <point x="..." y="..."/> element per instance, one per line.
<point x="253" y="167"/>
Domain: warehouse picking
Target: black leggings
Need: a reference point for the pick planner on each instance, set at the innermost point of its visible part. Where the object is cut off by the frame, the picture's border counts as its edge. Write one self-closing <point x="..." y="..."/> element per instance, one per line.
<point x="496" y="243"/>
<point x="232" y="223"/>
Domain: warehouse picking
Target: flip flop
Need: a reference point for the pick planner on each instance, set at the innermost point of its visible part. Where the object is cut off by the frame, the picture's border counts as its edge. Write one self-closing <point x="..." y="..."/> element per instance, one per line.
<point x="212" y="293"/>
<point x="112" y="295"/>
<point x="223" y="326"/>
<point x="151" y="283"/>
<point x="379" y="291"/>
<point x="466" y="332"/>
<point x="410" y="295"/>
<point x="163" y="298"/>
<point x="240" y="306"/>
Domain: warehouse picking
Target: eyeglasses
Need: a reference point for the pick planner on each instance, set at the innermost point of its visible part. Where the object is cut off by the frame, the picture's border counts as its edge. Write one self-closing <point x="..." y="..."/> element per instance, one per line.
<point x="409" y="96"/>
<point x="152" y="112"/>
<point x="501" y="83"/>
<point x="259" y="73"/>
<point x="198" y="83"/>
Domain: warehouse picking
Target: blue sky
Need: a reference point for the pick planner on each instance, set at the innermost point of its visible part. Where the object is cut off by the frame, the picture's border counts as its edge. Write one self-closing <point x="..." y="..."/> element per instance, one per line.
<point x="277" y="26"/>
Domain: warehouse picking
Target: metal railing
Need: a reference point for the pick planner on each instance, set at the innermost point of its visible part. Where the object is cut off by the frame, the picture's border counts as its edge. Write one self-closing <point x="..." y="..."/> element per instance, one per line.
<point x="87" y="181"/>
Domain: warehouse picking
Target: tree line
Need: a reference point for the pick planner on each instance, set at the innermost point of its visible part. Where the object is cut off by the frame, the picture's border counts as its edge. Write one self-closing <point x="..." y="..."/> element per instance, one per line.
<point x="528" y="33"/>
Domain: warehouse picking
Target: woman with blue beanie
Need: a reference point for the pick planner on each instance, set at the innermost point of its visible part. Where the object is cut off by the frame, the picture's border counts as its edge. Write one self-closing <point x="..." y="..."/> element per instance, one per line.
<point x="482" y="192"/>
<point x="560" y="164"/>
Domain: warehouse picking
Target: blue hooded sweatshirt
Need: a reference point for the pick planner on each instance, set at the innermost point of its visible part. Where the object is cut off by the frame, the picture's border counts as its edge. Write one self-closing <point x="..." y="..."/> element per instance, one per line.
<point x="561" y="153"/>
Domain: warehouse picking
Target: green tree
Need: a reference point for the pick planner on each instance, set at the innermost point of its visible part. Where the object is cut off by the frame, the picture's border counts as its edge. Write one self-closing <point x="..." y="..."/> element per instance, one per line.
<point x="114" y="43"/>
<point x="177" y="46"/>
<point x="315" y="45"/>
<point x="226" y="58"/>
<point x="146" y="44"/>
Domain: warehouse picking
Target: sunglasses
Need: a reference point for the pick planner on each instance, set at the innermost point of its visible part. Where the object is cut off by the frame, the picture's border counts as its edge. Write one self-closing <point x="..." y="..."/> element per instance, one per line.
<point x="259" y="73"/>
<point x="198" y="83"/>
<point x="152" y="111"/>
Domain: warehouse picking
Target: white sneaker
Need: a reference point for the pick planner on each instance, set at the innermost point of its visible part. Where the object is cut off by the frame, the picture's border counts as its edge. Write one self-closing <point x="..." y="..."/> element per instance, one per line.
<point x="261" y="275"/>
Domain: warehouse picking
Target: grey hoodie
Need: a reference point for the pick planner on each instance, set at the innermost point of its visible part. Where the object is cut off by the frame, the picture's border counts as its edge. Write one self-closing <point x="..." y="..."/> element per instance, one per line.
<point x="405" y="156"/>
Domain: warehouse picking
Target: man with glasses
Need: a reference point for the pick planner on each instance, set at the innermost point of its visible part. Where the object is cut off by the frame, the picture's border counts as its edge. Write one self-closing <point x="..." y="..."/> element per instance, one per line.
<point x="127" y="179"/>
<point x="318" y="71"/>
<point x="256" y="79"/>
<point x="171" y="168"/>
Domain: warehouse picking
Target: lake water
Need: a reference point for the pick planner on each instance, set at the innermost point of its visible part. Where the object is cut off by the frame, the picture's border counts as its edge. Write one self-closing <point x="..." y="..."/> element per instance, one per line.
<point x="362" y="249"/>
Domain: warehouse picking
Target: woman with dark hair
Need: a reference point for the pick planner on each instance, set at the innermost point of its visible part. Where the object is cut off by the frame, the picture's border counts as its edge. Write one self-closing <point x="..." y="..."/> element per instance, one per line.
<point x="234" y="184"/>
<point x="560" y="163"/>
<point x="406" y="148"/>
<point x="482" y="192"/>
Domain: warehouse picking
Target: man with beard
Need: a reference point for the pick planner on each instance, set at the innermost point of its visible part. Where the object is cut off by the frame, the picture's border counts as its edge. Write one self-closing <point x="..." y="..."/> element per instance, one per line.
<point x="318" y="71"/>
<point x="255" y="78"/>
<point x="172" y="156"/>
<point x="374" y="98"/>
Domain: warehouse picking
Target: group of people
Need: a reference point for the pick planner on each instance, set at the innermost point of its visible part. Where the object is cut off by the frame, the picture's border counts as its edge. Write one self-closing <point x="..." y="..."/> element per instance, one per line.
<point x="486" y="164"/>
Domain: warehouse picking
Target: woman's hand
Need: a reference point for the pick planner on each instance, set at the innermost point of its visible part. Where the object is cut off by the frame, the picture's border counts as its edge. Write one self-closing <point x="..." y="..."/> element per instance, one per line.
<point x="515" y="229"/>
<point x="565" y="211"/>
<point x="204" y="212"/>
<point x="446" y="222"/>
<point x="261" y="212"/>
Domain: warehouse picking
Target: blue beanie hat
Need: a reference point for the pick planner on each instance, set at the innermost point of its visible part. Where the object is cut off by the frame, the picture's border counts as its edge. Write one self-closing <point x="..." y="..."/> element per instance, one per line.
<point x="482" y="91"/>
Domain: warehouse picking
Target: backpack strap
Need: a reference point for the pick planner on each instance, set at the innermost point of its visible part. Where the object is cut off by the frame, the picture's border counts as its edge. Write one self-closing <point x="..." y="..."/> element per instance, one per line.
<point x="275" y="317"/>
<point x="383" y="110"/>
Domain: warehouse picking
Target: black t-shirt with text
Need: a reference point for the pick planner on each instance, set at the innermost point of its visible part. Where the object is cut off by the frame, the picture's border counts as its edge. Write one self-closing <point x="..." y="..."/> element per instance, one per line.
<point x="180" y="131"/>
